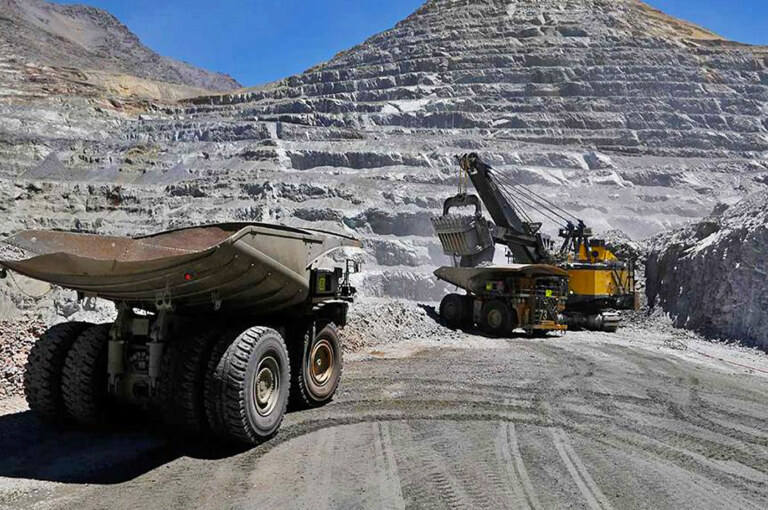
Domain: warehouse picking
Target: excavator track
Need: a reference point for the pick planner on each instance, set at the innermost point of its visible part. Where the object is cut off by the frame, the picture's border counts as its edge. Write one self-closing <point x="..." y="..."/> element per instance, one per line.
<point x="608" y="321"/>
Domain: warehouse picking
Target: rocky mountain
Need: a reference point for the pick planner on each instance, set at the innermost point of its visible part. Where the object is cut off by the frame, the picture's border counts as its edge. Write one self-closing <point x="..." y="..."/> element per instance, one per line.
<point x="711" y="275"/>
<point x="628" y="118"/>
<point x="91" y="39"/>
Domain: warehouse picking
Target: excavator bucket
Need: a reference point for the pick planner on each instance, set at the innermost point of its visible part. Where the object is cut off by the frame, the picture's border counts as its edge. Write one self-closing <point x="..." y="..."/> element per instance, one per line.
<point x="463" y="235"/>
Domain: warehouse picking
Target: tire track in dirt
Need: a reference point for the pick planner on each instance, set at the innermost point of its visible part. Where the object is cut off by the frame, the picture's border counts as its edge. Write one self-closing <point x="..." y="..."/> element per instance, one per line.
<point x="317" y="480"/>
<point x="444" y="441"/>
<point x="430" y="482"/>
<point x="758" y="438"/>
<point x="471" y="453"/>
<point x="509" y="451"/>
<point x="390" y="490"/>
<point x="711" y="455"/>
<point x="697" y="433"/>
<point x="700" y="479"/>
<point x="589" y="489"/>
<point x="752" y="443"/>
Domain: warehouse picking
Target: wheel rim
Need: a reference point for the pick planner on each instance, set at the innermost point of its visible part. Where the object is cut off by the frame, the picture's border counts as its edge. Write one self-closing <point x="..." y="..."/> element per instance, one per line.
<point x="495" y="319"/>
<point x="266" y="385"/>
<point x="322" y="362"/>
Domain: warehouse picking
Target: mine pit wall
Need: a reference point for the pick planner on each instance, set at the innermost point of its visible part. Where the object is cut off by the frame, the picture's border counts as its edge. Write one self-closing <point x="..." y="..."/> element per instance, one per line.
<point x="712" y="276"/>
<point x="388" y="208"/>
<point x="607" y="108"/>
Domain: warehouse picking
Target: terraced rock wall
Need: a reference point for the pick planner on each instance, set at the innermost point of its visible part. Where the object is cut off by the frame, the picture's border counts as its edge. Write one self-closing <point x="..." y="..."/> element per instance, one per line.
<point x="629" y="119"/>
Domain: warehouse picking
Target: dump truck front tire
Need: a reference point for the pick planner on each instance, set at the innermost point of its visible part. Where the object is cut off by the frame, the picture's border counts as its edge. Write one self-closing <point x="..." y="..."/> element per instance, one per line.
<point x="252" y="382"/>
<point x="317" y="367"/>
<point x="43" y="372"/>
<point x="84" y="378"/>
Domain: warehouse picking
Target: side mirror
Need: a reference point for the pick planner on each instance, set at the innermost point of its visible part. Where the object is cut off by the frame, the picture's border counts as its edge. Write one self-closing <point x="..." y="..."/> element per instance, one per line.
<point x="347" y="290"/>
<point x="353" y="266"/>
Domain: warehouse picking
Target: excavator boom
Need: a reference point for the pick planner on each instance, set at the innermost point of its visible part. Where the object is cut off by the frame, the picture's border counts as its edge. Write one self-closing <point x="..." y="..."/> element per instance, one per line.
<point x="521" y="237"/>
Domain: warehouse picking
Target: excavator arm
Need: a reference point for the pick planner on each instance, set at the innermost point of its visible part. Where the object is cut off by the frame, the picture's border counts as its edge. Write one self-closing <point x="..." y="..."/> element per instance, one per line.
<point x="523" y="238"/>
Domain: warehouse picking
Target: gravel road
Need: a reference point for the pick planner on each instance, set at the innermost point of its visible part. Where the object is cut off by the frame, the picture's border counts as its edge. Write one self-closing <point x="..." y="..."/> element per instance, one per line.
<point x="638" y="419"/>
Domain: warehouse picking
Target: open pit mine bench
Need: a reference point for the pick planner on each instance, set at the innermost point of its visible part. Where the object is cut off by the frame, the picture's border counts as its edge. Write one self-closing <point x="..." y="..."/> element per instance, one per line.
<point x="216" y="326"/>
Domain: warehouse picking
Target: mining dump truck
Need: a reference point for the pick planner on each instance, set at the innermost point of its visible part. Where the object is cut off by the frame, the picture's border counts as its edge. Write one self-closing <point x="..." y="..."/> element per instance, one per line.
<point x="502" y="298"/>
<point x="499" y="298"/>
<point x="216" y="326"/>
<point x="599" y="284"/>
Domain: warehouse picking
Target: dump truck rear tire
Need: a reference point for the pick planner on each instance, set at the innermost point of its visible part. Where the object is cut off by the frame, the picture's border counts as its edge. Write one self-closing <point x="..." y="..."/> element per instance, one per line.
<point x="317" y="365"/>
<point x="214" y="411"/>
<point x="252" y="382"/>
<point x="454" y="311"/>
<point x="43" y="371"/>
<point x="84" y="378"/>
<point x="496" y="319"/>
<point x="182" y="381"/>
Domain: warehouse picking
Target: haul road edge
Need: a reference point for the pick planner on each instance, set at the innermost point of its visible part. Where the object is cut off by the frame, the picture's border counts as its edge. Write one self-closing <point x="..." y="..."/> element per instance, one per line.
<point x="216" y="325"/>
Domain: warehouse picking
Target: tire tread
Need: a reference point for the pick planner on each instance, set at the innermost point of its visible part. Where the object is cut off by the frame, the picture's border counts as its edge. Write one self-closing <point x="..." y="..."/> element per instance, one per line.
<point x="83" y="393"/>
<point x="227" y="383"/>
<point x="181" y="389"/>
<point x="299" y="395"/>
<point x="44" y="367"/>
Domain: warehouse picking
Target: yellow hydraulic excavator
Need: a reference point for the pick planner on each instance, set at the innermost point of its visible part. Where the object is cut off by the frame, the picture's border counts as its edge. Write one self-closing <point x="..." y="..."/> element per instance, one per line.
<point x="599" y="284"/>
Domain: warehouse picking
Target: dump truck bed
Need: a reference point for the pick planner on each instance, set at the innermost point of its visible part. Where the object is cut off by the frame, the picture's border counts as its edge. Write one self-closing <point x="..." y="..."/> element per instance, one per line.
<point x="473" y="279"/>
<point x="252" y="267"/>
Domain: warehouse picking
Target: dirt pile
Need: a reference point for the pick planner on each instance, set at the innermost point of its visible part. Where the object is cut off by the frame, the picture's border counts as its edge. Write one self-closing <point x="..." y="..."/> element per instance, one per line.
<point x="16" y="339"/>
<point x="711" y="275"/>
<point x="385" y="322"/>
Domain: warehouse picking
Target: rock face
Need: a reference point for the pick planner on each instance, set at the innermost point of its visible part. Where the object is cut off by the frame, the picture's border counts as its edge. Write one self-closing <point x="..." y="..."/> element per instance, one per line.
<point x="87" y="38"/>
<point x="625" y="117"/>
<point x="712" y="276"/>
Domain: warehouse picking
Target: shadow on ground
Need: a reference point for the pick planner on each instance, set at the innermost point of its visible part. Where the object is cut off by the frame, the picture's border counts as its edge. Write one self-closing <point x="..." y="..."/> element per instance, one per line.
<point x="32" y="449"/>
<point x="434" y="314"/>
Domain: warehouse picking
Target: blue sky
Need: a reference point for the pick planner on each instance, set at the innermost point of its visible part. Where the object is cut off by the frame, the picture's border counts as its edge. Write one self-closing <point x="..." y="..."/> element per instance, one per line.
<point x="258" y="41"/>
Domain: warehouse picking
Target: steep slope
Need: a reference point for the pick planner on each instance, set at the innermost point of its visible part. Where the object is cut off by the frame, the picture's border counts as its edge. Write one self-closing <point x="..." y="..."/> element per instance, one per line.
<point x="711" y="275"/>
<point x="88" y="38"/>
<point x="628" y="118"/>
